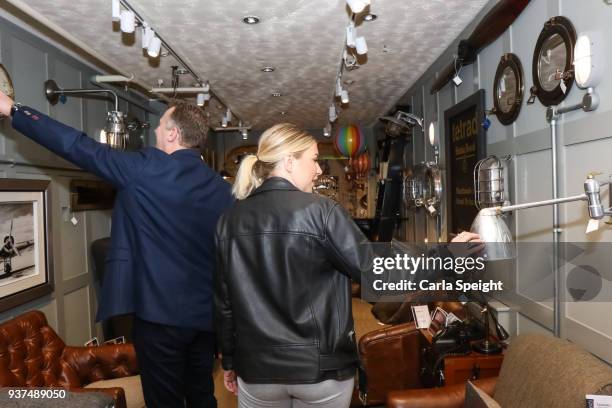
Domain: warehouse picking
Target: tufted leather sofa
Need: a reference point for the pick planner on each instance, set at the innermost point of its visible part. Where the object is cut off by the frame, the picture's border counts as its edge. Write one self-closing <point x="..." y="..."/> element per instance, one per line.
<point x="33" y="355"/>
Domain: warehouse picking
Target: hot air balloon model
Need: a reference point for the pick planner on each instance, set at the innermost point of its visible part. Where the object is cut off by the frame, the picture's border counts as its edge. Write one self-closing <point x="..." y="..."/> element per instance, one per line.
<point x="349" y="141"/>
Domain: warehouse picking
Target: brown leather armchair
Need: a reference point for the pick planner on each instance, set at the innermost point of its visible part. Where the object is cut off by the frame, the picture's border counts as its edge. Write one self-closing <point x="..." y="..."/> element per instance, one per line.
<point x="33" y="355"/>
<point x="390" y="354"/>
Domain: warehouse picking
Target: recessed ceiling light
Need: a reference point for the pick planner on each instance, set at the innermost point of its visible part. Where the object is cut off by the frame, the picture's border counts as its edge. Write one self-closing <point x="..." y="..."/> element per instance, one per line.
<point x="370" y="17"/>
<point x="283" y="113"/>
<point x="250" y="19"/>
<point x="267" y="69"/>
<point x="276" y="94"/>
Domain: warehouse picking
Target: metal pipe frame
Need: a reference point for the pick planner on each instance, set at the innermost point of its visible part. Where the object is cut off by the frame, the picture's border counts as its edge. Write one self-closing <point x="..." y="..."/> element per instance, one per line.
<point x="86" y="91"/>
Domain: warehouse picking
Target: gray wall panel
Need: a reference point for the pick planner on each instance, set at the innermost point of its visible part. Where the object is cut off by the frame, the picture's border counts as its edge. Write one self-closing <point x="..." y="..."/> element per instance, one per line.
<point x="30" y="60"/>
<point x="585" y="143"/>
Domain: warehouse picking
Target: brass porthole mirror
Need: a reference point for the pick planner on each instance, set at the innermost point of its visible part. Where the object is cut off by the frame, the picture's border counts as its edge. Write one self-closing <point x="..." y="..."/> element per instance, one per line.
<point x="508" y="88"/>
<point x="553" y="56"/>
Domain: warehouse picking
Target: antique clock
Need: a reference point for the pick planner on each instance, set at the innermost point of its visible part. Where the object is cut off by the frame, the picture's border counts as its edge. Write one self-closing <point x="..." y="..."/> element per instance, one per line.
<point x="6" y="85"/>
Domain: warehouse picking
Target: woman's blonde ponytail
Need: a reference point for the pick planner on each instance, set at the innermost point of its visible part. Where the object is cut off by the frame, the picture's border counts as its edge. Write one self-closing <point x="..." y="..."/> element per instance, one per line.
<point x="274" y="144"/>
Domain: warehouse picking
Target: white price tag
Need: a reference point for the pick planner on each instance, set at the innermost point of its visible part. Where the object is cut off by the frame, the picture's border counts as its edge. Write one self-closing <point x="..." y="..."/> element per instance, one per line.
<point x="74" y="221"/>
<point x="598" y="401"/>
<point x="421" y="316"/>
<point x="563" y="87"/>
<point x="593" y="225"/>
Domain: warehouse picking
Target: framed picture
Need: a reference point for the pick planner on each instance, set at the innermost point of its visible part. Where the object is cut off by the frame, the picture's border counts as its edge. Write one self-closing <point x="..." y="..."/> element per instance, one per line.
<point x="26" y="264"/>
<point x="465" y="145"/>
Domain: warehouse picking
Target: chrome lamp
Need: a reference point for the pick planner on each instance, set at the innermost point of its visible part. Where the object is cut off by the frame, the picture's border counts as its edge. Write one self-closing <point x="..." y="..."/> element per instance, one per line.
<point x="114" y="132"/>
<point x="492" y="229"/>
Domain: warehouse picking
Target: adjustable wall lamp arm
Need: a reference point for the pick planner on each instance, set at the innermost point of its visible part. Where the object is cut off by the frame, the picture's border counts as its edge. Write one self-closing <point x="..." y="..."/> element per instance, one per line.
<point x="591" y="195"/>
<point x="53" y="92"/>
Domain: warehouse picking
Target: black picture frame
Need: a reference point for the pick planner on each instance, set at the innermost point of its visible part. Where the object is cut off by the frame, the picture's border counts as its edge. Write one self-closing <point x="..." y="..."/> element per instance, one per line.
<point x="26" y="264"/>
<point x="465" y="144"/>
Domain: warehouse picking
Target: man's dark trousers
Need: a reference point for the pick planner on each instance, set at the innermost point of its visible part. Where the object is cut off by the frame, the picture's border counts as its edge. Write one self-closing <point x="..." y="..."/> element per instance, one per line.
<point x="167" y="376"/>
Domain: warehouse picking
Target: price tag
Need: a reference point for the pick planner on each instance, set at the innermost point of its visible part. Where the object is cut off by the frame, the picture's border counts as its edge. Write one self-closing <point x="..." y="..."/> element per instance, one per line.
<point x="563" y="87"/>
<point x="74" y="221"/>
<point x="421" y="316"/>
<point x="593" y="225"/>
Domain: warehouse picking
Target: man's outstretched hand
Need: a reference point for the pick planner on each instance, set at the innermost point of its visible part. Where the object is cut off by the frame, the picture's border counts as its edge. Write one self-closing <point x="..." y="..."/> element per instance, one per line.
<point x="6" y="104"/>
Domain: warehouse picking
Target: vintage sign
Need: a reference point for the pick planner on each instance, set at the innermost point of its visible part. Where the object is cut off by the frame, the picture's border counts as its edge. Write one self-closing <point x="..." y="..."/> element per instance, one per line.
<point x="465" y="145"/>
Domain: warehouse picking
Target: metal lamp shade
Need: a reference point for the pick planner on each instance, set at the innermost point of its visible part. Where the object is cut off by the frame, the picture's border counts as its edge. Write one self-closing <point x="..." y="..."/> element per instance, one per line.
<point x="495" y="233"/>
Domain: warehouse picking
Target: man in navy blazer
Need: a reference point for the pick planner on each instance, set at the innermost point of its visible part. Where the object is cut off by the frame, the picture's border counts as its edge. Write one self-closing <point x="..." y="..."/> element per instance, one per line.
<point x="161" y="262"/>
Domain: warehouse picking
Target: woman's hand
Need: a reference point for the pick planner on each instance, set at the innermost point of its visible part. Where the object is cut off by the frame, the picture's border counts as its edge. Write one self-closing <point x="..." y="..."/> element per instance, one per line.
<point x="230" y="382"/>
<point x="474" y="246"/>
<point x="467" y="237"/>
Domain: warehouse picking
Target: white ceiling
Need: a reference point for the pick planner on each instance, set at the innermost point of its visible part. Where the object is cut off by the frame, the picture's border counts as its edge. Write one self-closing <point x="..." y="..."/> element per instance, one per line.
<point x="302" y="39"/>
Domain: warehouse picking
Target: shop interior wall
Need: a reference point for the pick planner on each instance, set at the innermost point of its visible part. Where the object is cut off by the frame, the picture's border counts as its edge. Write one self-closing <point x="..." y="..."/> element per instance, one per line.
<point x="585" y="145"/>
<point x="30" y="60"/>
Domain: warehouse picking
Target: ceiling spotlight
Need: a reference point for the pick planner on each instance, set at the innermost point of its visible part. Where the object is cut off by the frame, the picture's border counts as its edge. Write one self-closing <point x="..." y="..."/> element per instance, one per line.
<point x="147" y="35"/>
<point x="116" y="10"/>
<point x="357" y="6"/>
<point x="154" y="47"/>
<point x="224" y="121"/>
<point x="338" y="87"/>
<point x="276" y="94"/>
<point x="228" y="115"/>
<point x="350" y="35"/>
<point x="370" y="17"/>
<point x="333" y="115"/>
<point x="245" y="133"/>
<point x="128" y="21"/>
<point x="200" y="99"/>
<point x="344" y="96"/>
<point x="327" y="130"/>
<point x="267" y="69"/>
<point x="283" y="113"/>
<point x="250" y="19"/>
<point x="361" y="46"/>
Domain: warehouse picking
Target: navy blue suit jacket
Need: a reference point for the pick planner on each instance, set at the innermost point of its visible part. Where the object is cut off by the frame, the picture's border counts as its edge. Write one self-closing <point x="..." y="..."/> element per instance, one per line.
<point x="162" y="258"/>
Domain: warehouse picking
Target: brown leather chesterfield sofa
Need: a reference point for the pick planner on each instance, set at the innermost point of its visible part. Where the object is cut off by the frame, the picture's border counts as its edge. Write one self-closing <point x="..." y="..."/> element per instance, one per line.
<point x="33" y="355"/>
<point x="538" y="371"/>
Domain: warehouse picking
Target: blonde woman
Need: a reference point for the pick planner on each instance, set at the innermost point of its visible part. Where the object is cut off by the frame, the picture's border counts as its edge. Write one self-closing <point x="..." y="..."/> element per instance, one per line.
<point x="285" y="258"/>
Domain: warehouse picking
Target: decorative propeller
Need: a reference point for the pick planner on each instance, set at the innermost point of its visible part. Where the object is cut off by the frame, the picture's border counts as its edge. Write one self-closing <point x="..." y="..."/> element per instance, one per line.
<point x="493" y="24"/>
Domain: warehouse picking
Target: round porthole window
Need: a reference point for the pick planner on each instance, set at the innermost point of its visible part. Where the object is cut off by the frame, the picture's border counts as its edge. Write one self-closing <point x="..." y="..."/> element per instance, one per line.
<point x="508" y="89"/>
<point x="553" y="56"/>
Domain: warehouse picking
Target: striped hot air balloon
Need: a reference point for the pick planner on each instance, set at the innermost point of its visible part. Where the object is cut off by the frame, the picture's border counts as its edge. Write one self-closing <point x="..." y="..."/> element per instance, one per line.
<point x="349" y="141"/>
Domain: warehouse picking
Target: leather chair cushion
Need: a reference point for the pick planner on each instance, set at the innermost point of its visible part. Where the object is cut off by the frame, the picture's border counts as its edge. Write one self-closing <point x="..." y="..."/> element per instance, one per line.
<point x="477" y="398"/>
<point x="131" y="385"/>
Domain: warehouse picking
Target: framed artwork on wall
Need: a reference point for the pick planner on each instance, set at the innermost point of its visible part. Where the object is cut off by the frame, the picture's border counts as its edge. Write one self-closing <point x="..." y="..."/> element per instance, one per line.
<point x="26" y="264"/>
<point x="465" y="145"/>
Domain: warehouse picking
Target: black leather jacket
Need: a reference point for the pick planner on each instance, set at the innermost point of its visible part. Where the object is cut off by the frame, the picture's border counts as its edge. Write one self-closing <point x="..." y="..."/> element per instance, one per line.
<point x="283" y="303"/>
